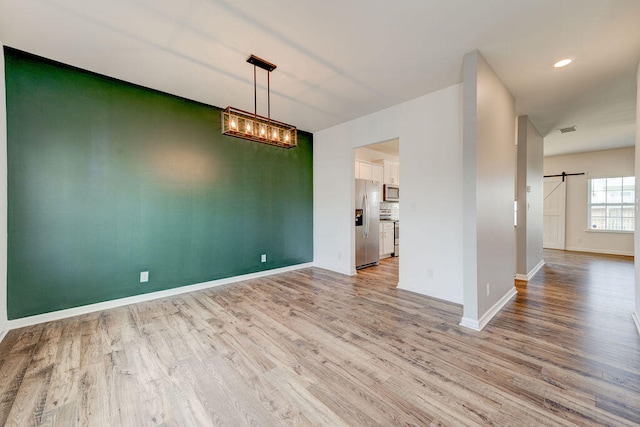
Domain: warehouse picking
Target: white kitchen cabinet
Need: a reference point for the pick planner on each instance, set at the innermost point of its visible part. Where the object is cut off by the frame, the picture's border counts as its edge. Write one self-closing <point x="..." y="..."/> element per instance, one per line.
<point x="364" y="170"/>
<point x="386" y="238"/>
<point x="391" y="172"/>
<point x="372" y="171"/>
<point x="377" y="174"/>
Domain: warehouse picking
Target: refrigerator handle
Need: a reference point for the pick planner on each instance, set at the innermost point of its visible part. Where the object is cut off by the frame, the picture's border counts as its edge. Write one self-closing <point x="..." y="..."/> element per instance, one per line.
<point x="365" y="225"/>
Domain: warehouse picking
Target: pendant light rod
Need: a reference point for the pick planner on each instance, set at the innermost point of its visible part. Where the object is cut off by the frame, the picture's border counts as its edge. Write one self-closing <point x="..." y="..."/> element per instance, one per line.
<point x="255" y="93"/>
<point x="269" y="67"/>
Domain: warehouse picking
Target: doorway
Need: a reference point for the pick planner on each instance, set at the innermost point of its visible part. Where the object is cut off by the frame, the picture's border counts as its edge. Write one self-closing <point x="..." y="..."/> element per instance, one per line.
<point x="379" y="165"/>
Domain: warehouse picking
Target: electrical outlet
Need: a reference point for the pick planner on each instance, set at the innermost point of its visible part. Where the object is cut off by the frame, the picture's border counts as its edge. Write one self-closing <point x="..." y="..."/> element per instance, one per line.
<point x="488" y="289"/>
<point x="144" y="276"/>
<point x="263" y="258"/>
<point x="429" y="272"/>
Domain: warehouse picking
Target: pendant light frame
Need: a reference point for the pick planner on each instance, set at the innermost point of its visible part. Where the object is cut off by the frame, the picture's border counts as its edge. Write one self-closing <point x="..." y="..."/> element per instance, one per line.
<point x="243" y="124"/>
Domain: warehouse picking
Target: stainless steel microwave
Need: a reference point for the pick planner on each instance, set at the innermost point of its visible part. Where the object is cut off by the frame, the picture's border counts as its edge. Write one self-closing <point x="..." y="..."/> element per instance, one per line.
<point x="391" y="193"/>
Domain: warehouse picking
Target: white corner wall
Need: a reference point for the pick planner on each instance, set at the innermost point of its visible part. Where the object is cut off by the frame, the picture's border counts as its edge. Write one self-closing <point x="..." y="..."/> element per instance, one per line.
<point x="430" y="132"/>
<point x="529" y="231"/>
<point x="636" y="314"/>
<point x="596" y="164"/>
<point x="489" y="175"/>
<point x="3" y="198"/>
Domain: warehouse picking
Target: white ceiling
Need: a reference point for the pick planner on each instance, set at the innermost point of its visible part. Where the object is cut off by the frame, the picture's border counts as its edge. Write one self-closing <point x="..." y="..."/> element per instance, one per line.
<point x="391" y="147"/>
<point x="338" y="60"/>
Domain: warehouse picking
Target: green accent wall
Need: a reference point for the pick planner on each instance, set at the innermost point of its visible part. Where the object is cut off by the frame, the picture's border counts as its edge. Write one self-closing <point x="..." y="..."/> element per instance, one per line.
<point x="108" y="179"/>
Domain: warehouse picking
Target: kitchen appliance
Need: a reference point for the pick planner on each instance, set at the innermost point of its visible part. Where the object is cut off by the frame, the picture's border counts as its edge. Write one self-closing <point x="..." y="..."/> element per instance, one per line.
<point x="396" y="239"/>
<point x="367" y="222"/>
<point x="390" y="211"/>
<point x="391" y="193"/>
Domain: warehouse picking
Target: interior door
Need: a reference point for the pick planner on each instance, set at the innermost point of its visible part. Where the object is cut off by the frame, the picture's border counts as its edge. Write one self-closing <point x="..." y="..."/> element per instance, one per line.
<point x="555" y="197"/>
<point x="360" y="222"/>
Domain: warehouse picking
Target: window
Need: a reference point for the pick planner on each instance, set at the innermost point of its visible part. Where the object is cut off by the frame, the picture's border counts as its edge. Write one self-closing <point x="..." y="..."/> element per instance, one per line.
<point x="612" y="203"/>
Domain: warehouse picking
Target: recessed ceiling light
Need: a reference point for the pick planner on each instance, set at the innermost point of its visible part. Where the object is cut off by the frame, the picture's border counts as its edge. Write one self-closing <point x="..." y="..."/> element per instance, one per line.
<point x="562" y="63"/>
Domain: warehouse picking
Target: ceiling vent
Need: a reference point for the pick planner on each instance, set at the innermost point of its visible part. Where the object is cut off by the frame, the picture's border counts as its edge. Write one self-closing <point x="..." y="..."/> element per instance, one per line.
<point x="569" y="129"/>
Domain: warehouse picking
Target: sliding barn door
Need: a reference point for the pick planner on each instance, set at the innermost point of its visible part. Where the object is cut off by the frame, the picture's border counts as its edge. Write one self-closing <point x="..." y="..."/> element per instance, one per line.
<point x="555" y="192"/>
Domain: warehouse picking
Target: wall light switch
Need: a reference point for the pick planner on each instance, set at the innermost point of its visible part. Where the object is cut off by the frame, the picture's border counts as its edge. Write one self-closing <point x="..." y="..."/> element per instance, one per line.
<point x="263" y="258"/>
<point x="144" y="276"/>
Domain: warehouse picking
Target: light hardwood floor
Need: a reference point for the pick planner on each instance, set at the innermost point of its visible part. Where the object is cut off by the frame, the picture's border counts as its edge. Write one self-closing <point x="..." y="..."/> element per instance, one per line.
<point x="316" y="348"/>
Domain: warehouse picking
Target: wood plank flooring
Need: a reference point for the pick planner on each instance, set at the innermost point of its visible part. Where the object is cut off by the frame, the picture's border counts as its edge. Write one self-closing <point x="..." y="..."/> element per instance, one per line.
<point x="313" y="347"/>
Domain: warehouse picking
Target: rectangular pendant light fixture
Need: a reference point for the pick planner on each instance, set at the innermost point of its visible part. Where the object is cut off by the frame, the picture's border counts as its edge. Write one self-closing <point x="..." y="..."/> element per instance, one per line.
<point x="251" y="126"/>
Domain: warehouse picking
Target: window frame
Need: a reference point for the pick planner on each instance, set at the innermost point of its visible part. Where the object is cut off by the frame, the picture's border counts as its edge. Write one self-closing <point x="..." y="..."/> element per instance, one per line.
<point x="607" y="205"/>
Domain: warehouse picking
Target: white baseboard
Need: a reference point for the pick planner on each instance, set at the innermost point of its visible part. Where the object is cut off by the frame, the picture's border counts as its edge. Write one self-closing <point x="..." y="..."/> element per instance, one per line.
<point x="478" y="325"/>
<point x="636" y="319"/>
<point x="529" y="276"/>
<point x="335" y="269"/>
<point x="420" y="289"/>
<point x="3" y="331"/>
<point x="85" y="309"/>
<point x="598" y="251"/>
<point x="470" y="323"/>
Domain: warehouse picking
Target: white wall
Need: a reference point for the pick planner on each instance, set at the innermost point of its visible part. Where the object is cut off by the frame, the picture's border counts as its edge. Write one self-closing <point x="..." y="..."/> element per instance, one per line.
<point x="636" y="314"/>
<point x="489" y="175"/>
<point x="3" y="199"/>
<point x="530" y="195"/>
<point x="430" y="133"/>
<point x="598" y="164"/>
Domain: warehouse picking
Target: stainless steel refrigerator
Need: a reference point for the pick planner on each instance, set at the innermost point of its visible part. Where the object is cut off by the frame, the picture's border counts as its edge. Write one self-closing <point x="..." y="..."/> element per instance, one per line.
<point x="367" y="220"/>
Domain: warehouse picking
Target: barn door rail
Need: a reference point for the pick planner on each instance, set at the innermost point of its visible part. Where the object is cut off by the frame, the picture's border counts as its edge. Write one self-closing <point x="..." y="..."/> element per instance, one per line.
<point x="564" y="175"/>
